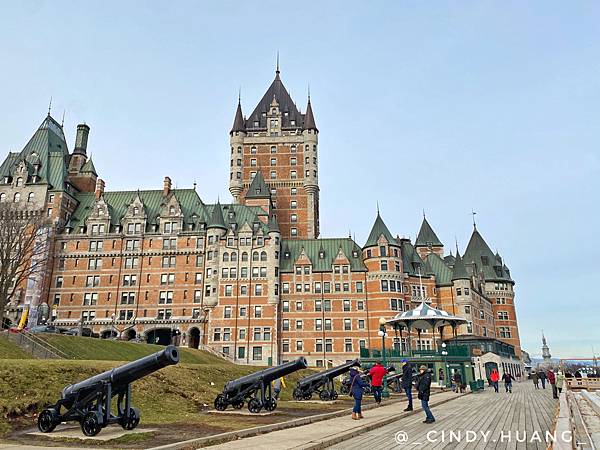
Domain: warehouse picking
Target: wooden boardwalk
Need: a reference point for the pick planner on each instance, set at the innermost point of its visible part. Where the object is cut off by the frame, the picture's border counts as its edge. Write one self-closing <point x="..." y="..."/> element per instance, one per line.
<point x="505" y="418"/>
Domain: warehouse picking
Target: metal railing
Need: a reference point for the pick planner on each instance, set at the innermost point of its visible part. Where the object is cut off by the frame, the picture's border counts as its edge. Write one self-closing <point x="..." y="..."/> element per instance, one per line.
<point x="459" y="351"/>
<point x="36" y="346"/>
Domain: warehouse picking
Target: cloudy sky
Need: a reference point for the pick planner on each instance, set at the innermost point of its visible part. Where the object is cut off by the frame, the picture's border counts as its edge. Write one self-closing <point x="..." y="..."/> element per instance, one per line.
<point x="436" y="106"/>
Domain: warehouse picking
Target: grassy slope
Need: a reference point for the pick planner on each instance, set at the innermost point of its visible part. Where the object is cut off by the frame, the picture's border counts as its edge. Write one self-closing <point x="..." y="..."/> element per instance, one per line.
<point x="172" y="395"/>
<point x="100" y="349"/>
<point x="9" y="350"/>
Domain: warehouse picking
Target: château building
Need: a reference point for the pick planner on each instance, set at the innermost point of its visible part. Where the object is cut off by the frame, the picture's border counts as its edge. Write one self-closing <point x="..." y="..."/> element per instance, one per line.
<point x="251" y="278"/>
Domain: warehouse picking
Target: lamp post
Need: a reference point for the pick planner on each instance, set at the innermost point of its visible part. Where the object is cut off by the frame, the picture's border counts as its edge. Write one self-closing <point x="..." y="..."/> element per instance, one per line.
<point x="114" y="332"/>
<point x="446" y="367"/>
<point x="382" y="332"/>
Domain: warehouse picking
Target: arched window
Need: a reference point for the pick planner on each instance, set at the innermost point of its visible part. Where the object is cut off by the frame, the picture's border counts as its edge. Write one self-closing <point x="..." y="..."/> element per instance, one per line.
<point x="30" y="197"/>
<point x="244" y="256"/>
<point x="225" y="257"/>
<point x="17" y="197"/>
<point x="19" y="182"/>
<point x="233" y="256"/>
<point x="2" y="197"/>
<point x="255" y="256"/>
<point x="136" y="210"/>
<point x="263" y="256"/>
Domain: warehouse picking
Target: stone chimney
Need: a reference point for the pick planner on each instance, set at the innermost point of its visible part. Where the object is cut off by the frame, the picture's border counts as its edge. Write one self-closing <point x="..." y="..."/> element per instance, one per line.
<point x="81" y="138"/>
<point x="99" y="187"/>
<point x="167" y="186"/>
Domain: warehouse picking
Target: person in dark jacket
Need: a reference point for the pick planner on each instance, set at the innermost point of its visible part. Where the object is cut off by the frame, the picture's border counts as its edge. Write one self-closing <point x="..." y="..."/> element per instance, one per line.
<point x="542" y="377"/>
<point x="408" y="374"/>
<point x="458" y="382"/>
<point x="356" y="388"/>
<point x="508" y="379"/>
<point x="424" y="390"/>
<point x="552" y="380"/>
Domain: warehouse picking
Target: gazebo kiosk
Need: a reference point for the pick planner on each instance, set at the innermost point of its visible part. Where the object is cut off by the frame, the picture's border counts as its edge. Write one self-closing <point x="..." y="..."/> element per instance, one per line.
<point x="442" y="359"/>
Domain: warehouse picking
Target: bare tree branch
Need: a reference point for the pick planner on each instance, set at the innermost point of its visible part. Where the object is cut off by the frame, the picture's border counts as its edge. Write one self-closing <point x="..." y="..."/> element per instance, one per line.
<point x="23" y="249"/>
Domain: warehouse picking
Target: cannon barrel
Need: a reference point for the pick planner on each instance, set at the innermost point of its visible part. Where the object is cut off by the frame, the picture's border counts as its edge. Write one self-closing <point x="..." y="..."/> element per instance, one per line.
<point x="268" y="375"/>
<point x="123" y="375"/>
<point x="330" y="373"/>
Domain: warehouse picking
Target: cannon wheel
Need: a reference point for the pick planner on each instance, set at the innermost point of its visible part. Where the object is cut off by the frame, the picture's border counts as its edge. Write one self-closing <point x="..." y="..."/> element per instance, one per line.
<point x="297" y="394"/>
<point x="238" y="405"/>
<point x="308" y="396"/>
<point x="91" y="423"/>
<point x="254" y="405"/>
<point x="47" y="420"/>
<point x="133" y="421"/>
<point x="220" y="403"/>
<point x="324" y="395"/>
<point x="333" y="395"/>
<point x="344" y="389"/>
<point x="271" y="404"/>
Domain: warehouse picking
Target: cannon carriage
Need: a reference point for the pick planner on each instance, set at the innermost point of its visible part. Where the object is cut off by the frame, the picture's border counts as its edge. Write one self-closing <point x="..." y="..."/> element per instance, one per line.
<point x="89" y="402"/>
<point x="322" y="383"/>
<point x="256" y="388"/>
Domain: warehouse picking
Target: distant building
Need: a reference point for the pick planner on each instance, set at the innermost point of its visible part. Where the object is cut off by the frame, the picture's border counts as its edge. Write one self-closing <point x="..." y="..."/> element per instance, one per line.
<point x="547" y="357"/>
<point x="250" y="278"/>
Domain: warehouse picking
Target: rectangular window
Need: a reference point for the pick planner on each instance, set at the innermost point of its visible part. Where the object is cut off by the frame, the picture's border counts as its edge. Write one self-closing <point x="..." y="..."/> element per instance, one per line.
<point x="346" y="305"/>
<point x="165" y="297"/>
<point x="347" y="324"/>
<point x="227" y="312"/>
<point x="360" y="305"/>
<point x="361" y="324"/>
<point x="318" y="324"/>
<point x="258" y="311"/>
<point x="256" y="353"/>
<point x="299" y="346"/>
<point x="285" y="324"/>
<point x="328" y="324"/>
<point x="286" y="306"/>
<point x="298" y="325"/>
<point x="298" y="306"/>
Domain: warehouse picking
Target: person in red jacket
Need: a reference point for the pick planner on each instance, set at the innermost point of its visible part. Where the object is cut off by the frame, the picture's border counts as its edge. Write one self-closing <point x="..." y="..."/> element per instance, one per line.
<point x="377" y="373"/>
<point x="494" y="377"/>
<point x="552" y="380"/>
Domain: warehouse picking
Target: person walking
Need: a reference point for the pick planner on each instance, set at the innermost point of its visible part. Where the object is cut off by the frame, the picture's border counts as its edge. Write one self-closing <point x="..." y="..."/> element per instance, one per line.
<point x="536" y="379"/>
<point x="560" y="381"/>
<point x="494" y="377"/>
<point x="552" y="381"/>
<point x="278" y="384"/>
<point x="542" y="376"/>
<point x="356" y="390"/>
<point x="458" y="382"/>
<point x="424" y="390"/>
<point x="377" y="373"/>
<point x="508" y="379"/>
<point x="408" y="374"/>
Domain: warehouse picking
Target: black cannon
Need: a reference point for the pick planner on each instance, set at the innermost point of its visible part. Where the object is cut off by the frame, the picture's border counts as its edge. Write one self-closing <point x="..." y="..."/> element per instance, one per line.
<point x="395" y="381"/>
<point x="89" y="401"/>
<point x="256" y="387"/>
<point x="322" y="382"/>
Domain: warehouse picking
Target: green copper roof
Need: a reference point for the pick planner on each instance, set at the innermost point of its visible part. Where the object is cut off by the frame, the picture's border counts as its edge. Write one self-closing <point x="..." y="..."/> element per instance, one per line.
<point x="273" y="225"/>
<point x="427" y="236"/>
<point x="479" y="254"/>
<point x="50" y="149"/>
<point x="258" y="188"/>
<point x="216" y="218"/>
<point x="443" y="273"/>
<point x="88" y="167"/>
<point x="292" y="248"/>
<point x="379" y="228"/>
<point x="412" y="262"/>
<point x="459" y="271"/>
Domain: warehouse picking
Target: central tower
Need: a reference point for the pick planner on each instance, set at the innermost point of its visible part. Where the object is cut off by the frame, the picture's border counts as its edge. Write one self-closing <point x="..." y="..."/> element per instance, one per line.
<point x="281" y="143"/>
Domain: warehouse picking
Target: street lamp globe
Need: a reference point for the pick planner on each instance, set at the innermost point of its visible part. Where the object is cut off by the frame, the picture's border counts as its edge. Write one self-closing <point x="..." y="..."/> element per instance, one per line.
<point x="444" y="345"/>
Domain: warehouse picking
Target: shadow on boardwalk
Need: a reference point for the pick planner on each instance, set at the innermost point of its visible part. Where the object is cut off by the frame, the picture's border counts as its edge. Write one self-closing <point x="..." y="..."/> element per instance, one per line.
<point x="526" y="414"/>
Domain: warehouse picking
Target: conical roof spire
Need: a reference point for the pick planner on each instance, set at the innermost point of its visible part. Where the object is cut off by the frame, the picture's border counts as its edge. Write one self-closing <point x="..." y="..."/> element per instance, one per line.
<point x="379" y="228"/>
<point x="427" y="236"/>
<point x="216" y="218"/>
<point x="309" y="118"/>
<point x="459" y="271"/>
<point x="258" y="188"/>
<point x="238" y="121"/>
<point x="273" y="225"/>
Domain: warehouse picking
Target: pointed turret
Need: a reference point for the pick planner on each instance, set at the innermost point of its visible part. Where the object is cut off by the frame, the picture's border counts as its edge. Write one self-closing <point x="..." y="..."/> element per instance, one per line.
<point x="459" y="272"/>
<point x="88" y="167"/>
<point x="427" y="237"/>
<point x="238" y="121"/>
<point x="273" y="225"/>
<point x="479" y="253"/>
<point x="379" y="229"/>
<point x="216" y="218"/>
<point x="258" y="188"/>
<point x="309" y="118"/>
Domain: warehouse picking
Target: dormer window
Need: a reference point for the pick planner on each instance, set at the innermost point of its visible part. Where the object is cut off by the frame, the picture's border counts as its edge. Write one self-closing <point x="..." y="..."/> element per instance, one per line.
<point x="256" y="123"/>
<point x="292" y="122"/>
<point x="172" y="210"/>
<point x="321" y="254"/>
<point x="136" y="211"/>
<point x="354" y="254"/>
<point x="286" y="255"/>
<point x="19" y="182"/>
<point x="286" y="114"/>
<point x="484" y="260"/>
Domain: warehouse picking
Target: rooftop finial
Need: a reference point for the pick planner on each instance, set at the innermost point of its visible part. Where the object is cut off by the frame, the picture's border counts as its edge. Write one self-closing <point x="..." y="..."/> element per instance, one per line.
<point x="377" y="207"/>
<point x="423" y="213"/>
<point x="456" y="242"/>
<point x="62" y="123"/>
<point x="309" y="92"/>
<point x="50" y="106"/>
<point x="474" y="223"/>
<point x="277" y="67"/>
<point x="194" y="184"/>
<point x="240" y="95"/>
